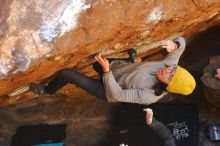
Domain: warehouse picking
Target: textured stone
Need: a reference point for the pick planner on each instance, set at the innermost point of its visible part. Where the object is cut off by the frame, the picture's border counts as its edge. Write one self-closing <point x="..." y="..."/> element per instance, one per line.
<point x="89" y="121"/>
<point x="211" y="84"/>
<point x="39" y="37"/>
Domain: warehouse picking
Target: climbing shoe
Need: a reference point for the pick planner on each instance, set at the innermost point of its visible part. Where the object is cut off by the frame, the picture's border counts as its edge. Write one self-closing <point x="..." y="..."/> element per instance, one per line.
<point x="132" y="54"/>
<point x="133" y="57"/>
<point x="37" y="88"/>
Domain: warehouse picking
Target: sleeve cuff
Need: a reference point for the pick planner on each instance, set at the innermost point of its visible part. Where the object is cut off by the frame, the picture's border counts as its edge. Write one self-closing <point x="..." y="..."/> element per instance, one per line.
<point x="107" y="73"/>
<point x="181" y="42"/>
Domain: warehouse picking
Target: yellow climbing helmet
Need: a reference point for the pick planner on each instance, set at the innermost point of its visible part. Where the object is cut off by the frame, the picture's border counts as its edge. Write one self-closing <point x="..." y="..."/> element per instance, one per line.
<point x="182" y="82"/>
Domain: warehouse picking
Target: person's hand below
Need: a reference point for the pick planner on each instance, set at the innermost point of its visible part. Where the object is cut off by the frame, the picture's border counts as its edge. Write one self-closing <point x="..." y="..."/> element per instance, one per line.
<point x="103" y="62"/>
<point x="149" y="115"/>
<point x="169" y="45"/>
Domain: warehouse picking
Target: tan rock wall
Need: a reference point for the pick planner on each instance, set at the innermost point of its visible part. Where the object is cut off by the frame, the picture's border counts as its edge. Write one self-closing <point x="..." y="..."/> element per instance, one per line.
<point x="38" y="38"/>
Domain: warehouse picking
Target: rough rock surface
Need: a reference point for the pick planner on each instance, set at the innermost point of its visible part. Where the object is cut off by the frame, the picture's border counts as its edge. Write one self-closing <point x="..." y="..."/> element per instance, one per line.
<point x="90" y="121"/>
<point x="40" y="37"/>
<point x="211" y="84"/>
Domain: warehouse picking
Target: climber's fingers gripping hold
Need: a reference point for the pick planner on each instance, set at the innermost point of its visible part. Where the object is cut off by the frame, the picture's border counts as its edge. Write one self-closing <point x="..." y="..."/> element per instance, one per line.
<point x="170" y="45"/>
<point x="103" y="62"/>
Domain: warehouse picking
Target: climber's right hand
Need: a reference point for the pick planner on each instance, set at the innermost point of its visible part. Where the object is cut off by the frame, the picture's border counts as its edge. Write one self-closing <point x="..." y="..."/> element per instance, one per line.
<point x="170" y="45"/>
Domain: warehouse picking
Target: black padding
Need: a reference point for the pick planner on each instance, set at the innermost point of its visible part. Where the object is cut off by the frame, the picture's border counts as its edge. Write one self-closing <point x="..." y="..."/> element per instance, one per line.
<point x="130" y="127"/>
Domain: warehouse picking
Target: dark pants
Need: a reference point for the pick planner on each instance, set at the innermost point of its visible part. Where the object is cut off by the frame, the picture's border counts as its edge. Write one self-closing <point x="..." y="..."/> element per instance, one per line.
<point x="163" y="133"/>
<point x="91" y="85"/>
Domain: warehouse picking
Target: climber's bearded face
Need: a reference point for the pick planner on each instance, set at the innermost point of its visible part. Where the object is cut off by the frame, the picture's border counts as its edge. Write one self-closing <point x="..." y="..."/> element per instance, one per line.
<point x="166" y="74"/>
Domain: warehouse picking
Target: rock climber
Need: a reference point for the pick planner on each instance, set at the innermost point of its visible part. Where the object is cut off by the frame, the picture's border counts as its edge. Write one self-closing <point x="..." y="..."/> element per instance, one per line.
<point x="128" y="81"/>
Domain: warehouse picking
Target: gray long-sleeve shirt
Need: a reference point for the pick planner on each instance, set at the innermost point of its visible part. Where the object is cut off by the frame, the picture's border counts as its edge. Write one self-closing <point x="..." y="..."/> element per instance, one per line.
<point x="133" y="82"/>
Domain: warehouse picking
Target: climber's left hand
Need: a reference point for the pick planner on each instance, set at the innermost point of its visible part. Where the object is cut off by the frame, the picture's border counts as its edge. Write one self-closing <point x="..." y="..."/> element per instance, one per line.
<point x="103" y="62"/>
